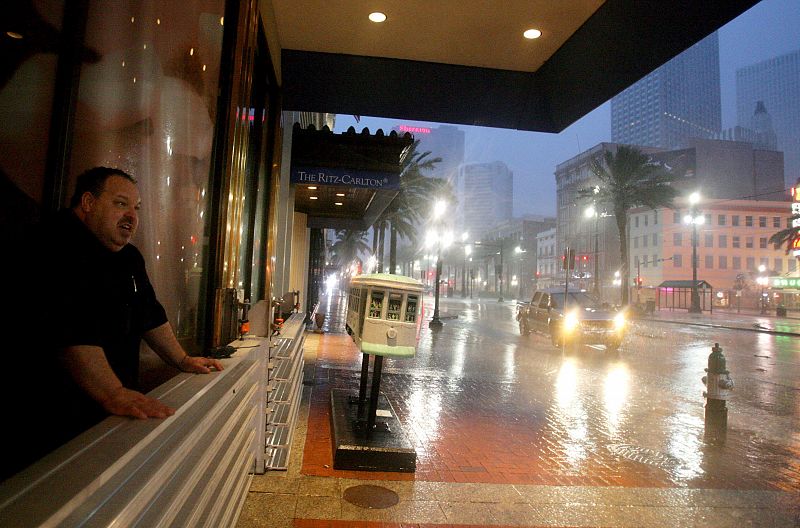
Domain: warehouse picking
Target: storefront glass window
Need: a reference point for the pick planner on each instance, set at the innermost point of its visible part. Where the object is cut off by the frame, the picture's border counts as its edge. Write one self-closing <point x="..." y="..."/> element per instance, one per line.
<point x="148" y="106"/>
<point x="29" y="50"/>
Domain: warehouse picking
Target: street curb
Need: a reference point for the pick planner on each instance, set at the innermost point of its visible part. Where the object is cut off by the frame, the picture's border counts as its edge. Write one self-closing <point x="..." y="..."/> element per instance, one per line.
<point x="709" y="325"/>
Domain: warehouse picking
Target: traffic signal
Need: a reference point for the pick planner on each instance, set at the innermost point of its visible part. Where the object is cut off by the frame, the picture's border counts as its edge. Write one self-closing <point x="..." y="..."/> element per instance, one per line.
<point x="568" y="260"/>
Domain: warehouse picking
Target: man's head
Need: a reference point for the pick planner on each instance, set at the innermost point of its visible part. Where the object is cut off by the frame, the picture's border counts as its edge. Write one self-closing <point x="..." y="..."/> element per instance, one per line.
<point x="107" y="201"/>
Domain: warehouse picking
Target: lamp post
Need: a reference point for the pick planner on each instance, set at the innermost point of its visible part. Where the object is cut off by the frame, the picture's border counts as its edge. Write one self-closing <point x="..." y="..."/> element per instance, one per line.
<point x="471" y="275"/>
<point x="467" y="252"/>
<point x="434" y="237"/>
<point x="591" y="212"/>
<point x="762" y="281"/>
<point x="694" y="219"/>
<point x="521" y="253"/>
<point x="500" y="247"/>
<point x="467" y="249"/>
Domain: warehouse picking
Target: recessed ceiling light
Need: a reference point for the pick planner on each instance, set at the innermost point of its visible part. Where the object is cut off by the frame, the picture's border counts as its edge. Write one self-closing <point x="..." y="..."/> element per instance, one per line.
<point x="377" y="17"/>
<point x="312" y="188"/>
<point x="339" y="194"/>
<point x="337" y="203"/>
<point x="312" y="197"/>
<point x="532" y="34"/>
<point x="14" y="35"/>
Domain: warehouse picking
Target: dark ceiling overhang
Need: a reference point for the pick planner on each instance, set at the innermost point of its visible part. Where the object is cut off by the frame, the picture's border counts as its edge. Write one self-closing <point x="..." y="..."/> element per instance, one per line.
<point x="345" y="181"/>
<point x="619" y="44"/>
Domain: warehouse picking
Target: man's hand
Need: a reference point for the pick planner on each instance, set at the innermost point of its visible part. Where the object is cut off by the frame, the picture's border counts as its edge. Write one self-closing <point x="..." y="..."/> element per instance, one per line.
<point x="199" y="365"/>
<point x="126" y="402"/>
<point x="162" y="339"/>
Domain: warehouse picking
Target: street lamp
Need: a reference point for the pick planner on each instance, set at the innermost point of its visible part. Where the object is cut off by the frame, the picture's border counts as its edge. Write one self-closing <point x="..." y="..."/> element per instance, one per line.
<point x="592" y="212"/>
<point x="440" y="239"/>
<point x="522" y="275"/>
<point x="762" y="281"/>
<point x="694" y="219"/>
<point x="500" y="247"/>
<point x="467" y="253"/>
<point x="467" y="248"/>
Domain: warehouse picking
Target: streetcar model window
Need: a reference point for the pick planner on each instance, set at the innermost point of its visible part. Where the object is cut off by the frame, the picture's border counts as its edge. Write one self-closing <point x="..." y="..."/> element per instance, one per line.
<point x="411" y="309"/>
<point x="393" y="310"/>
<point x="376" y="305"/>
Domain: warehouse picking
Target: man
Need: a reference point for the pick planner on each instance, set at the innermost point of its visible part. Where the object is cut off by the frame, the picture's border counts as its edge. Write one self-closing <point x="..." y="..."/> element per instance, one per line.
<point x="97" y="304"/>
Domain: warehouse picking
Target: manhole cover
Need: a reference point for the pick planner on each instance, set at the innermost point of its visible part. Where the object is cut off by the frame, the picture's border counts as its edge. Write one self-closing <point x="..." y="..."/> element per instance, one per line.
<point x="645" y="456"/>
<point x="371" y="497"/>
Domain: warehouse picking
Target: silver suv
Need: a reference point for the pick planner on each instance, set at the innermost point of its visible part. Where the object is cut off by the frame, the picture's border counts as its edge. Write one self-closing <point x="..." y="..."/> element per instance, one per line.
<point x="585" y="320"/>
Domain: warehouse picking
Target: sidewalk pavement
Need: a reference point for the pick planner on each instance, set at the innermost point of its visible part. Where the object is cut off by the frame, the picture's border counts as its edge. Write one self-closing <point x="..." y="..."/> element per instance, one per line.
<point x="750" y="321"/>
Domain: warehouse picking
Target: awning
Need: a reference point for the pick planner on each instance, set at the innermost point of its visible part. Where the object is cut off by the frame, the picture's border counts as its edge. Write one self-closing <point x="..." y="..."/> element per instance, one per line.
<point x="344" y="181"/>
<point x="678" y="284"/>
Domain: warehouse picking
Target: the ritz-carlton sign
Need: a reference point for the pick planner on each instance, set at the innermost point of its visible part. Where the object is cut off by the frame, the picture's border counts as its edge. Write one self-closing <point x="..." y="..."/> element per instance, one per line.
<point x="345" y="177"/>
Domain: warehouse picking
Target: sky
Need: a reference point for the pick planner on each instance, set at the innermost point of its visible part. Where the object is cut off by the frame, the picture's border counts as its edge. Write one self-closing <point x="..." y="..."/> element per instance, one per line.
<point x="769" y="29"/>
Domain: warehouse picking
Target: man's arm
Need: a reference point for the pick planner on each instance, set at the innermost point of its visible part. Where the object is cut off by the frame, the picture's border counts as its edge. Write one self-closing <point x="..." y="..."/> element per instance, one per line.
<point x="89" y="368"/>
<point x="163" y="341"/>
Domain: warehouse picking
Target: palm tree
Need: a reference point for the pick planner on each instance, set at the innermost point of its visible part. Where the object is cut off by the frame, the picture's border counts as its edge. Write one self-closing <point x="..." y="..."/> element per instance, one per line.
<point x="787" y="236"/>
<point x="628" y="179"/>
<point x="408" y="208"/>
<point x="348" y="245"/>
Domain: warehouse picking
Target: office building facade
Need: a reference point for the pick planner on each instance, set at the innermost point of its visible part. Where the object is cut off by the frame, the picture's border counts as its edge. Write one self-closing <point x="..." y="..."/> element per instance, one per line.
<point x="732" y="244"/>
<point x="775" y="83"/>
<point x="675" y="102"/>
<point x="485" y="196"/>
<point x="717" y="169"/>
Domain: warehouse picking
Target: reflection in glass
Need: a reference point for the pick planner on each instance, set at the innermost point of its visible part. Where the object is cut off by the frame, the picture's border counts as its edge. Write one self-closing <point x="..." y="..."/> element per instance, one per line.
<point x="147" y="106"/>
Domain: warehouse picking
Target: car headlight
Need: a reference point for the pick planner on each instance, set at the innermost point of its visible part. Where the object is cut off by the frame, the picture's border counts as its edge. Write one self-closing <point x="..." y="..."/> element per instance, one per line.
<point x="619" y="321"/>
<point x="571" y="321"/>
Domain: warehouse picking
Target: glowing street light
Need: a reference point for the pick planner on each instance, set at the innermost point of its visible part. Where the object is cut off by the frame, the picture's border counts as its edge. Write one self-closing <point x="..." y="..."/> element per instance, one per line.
<point x="440" y="240"/>
<point x="694" y="219"/>
<point x="464" y="238"/>
<point x="762" y="281"/>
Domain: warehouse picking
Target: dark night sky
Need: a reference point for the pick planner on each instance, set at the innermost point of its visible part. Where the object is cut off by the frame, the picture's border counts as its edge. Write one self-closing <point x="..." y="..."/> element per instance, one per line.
<point x="769" y="29"/>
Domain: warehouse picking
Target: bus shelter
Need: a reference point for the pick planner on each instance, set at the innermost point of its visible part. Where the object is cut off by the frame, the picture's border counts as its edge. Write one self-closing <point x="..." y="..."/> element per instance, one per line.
<point x="677" y="294"/>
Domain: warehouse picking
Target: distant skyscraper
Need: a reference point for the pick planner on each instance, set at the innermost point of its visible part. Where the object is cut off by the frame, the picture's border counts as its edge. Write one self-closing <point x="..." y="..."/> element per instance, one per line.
<point x="677" y="101"/>
<point x="444" y="141"/>
<point x="760" y="133"/>
<point x="485" y="196"/>
<point x="776" y="82"/>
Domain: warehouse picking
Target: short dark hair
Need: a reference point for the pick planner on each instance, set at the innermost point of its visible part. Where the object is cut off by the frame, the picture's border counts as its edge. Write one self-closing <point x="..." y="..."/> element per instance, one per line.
<point x="94" y="181"/>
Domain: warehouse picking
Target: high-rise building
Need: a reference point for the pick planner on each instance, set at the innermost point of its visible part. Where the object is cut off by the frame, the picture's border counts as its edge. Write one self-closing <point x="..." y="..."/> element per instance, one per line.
<point x="677" y="101"/>
<point x="445" y="142"/>
<point x="760" y="133"/>
<point x="485" y="196"/>
<point x="776" y="82"/>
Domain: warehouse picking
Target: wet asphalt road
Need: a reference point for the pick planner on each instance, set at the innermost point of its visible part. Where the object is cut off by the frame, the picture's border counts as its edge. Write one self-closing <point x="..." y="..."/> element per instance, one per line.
<point x="587" y="410"/>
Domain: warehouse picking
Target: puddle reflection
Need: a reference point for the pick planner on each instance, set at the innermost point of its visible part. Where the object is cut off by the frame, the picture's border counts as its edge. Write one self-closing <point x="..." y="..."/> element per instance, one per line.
<point x="615" y="396"/>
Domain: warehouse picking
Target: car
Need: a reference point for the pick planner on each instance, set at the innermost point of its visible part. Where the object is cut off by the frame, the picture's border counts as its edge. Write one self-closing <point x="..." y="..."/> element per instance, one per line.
<point x="584" y="321"/>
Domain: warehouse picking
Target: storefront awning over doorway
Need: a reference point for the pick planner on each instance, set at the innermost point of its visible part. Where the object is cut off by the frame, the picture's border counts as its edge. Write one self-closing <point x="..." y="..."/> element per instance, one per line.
<point x="344" y="181"/>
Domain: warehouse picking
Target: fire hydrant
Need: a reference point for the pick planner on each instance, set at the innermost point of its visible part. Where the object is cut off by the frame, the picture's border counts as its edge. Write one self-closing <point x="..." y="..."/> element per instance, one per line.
<point x="718" y="384"/>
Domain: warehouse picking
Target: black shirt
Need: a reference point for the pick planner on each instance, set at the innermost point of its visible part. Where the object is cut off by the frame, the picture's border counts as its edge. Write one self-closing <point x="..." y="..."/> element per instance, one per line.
<point x="64" y="288"/>
<point x="104" y="298"/>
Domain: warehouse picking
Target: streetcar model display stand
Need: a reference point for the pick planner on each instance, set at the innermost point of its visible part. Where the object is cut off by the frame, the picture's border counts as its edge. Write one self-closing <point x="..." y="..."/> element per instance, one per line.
<point x="383" y="318"/>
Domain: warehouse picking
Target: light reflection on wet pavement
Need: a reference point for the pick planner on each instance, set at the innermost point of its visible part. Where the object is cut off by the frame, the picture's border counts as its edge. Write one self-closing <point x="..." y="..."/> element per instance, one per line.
<point x="483" y="404"/>
<point x="510" y="433"/>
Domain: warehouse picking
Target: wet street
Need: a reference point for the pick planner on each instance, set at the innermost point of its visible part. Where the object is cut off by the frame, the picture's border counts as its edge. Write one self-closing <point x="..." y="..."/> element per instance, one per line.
<point x="508" y="430"/>
<point x="614" y="418"/>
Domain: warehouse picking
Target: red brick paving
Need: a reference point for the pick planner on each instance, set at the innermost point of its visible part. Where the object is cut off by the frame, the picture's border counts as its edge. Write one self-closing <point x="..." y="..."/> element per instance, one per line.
<point x="469" y="448"/>
<point x="478" y="429"/>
